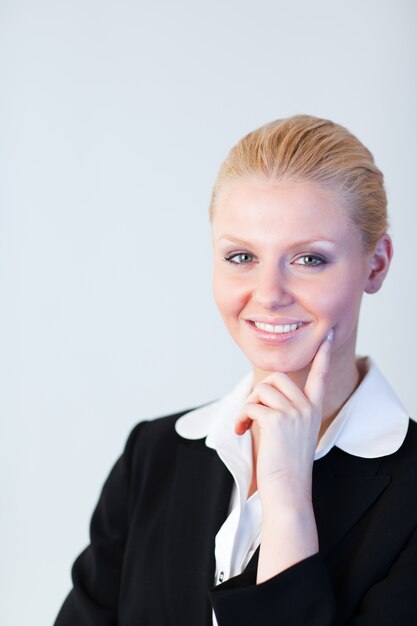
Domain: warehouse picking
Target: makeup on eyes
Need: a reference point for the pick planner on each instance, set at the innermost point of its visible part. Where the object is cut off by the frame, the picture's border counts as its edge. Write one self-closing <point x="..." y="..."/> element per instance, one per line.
<point x="322" y="249"/>
<point x="306" y="259"/>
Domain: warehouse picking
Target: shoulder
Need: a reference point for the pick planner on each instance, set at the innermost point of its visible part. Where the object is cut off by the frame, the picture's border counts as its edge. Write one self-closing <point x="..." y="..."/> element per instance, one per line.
<point x="408" y="449"/>
<point x="412" y="431"/>
<point x="155" y="439"/>
<point x="411" y="437"/>
<point x="155" y="428"/>
<point x="404" y="460"/>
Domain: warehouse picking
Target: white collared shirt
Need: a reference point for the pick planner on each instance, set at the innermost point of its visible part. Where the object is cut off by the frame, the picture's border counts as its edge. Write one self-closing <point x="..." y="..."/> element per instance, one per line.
<point x="372" y="423"/>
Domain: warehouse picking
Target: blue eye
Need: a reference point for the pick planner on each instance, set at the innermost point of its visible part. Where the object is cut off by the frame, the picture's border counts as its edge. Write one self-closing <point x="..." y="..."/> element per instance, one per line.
<point x="310" y="260"/>
<point x="239" y="258"/>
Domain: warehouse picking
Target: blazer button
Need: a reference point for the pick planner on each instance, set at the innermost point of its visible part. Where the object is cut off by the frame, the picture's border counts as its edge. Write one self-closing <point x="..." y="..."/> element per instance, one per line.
<point x="221" y="577"/>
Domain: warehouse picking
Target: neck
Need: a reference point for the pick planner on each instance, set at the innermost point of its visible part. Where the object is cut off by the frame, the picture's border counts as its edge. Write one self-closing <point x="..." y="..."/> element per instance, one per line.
<point x="344" y="378"/>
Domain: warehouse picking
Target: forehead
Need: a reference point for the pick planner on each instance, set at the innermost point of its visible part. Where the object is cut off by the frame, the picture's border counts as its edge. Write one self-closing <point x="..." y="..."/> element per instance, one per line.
<point x="270" y="210"/>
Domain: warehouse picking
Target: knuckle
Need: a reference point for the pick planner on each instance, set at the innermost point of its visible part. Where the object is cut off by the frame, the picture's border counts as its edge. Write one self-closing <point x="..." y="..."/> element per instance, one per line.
<point x="263" y="386"/>
<point x="307" y="407"/>
<point x="293" y="413"/>
<point x="272" y="380"/>
<point x="323" y="375"/>
<point x="306" y="413"/>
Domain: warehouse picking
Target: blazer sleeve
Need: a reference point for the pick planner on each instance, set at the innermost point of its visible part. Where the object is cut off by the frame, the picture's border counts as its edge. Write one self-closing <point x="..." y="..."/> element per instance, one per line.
<point x="302" y="595"/>
<point x="97" y="571"/>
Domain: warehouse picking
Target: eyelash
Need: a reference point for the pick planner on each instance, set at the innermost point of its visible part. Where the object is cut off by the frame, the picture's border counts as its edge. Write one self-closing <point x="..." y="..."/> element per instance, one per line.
<point x="230" y="257"/>
<point x="315" y="257"/>
<point x="318" y="260"/>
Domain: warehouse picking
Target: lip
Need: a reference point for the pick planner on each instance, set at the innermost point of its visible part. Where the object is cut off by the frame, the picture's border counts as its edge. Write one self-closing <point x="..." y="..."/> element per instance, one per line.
<point x="275" y="321"/>
<point x="275" y="338"/>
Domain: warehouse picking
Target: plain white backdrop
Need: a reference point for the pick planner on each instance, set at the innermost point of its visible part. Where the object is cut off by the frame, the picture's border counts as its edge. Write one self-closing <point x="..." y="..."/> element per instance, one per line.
<point x="114" y="117"/>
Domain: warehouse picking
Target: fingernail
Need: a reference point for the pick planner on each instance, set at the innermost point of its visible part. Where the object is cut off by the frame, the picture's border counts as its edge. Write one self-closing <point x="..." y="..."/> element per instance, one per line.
<point x="330" y="335"/>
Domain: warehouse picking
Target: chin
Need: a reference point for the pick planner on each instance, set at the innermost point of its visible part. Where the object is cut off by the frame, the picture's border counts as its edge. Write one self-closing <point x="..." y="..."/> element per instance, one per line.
<point x="281" y="363"/>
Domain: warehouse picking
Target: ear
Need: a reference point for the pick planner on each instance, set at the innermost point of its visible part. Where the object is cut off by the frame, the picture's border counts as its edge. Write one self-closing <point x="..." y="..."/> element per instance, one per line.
<point x="379" y="263"/>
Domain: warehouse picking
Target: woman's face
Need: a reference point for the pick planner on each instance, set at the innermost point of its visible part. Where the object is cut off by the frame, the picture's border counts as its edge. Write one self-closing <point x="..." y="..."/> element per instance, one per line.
<point x="288" y="266"/>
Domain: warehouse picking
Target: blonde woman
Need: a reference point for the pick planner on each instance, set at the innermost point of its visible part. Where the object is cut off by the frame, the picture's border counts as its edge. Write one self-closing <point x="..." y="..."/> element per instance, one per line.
<point x="293" y="499"/>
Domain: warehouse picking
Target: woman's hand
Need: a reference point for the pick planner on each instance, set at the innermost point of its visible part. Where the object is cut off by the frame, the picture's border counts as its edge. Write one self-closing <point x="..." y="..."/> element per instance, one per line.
<point x="288" y="422"/>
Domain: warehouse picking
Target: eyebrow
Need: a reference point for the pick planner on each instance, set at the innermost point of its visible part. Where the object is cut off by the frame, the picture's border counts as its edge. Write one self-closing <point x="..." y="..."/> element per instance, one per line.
<point x="296" y="244"/>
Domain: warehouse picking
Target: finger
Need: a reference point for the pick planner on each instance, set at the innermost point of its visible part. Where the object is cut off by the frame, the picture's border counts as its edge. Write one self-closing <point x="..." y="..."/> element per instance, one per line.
<point x="283" y="398"/>
<point x="315" y="385"/>
<point x="250" y="412"/>
<point x="286" y="387"/>
<point x="242" y="424"/>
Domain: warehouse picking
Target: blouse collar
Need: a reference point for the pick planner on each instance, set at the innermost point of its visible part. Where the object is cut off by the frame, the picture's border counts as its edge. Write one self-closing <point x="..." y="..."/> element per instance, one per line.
<point x="372" y="423"/>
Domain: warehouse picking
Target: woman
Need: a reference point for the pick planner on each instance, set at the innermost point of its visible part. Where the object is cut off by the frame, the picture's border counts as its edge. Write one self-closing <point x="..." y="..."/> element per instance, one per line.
<point x="293" y="500"/>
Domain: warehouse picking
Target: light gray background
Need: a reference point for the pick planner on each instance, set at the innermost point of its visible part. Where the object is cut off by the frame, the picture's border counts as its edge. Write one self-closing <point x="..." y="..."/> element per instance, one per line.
<point x="114" y="117"/>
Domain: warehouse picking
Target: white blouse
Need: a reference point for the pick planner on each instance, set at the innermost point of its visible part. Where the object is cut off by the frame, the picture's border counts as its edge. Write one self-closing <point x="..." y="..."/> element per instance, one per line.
<point x="372" y="423"/>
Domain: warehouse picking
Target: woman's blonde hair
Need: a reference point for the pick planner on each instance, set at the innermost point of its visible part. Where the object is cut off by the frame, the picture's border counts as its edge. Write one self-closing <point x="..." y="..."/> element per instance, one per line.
<point x="309" y="149"/>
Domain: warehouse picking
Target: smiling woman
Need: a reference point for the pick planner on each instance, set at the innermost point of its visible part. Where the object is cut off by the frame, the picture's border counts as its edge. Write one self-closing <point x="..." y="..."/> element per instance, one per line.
<point x="292" y="499"/>
<point x="295" y="260"/>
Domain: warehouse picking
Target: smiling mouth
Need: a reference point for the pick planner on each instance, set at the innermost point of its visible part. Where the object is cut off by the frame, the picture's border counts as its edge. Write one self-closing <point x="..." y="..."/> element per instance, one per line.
<point x="277" y="329"/>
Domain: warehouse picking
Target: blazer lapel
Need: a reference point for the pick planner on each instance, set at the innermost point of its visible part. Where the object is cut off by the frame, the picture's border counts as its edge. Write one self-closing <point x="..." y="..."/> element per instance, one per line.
<point x="199" y="505"/>
<point x="344" y="488"/>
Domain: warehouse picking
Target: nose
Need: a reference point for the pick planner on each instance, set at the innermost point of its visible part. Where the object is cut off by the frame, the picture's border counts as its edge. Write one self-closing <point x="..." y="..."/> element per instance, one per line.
<point x="272" y="289"/>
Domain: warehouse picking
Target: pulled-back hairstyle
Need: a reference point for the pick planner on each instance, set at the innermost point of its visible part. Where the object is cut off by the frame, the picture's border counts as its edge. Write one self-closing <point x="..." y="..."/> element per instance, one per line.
<point x="309" y="149"/>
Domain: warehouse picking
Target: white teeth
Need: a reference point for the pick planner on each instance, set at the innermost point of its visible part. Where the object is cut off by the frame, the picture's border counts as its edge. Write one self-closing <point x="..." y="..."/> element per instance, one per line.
<point x="279" y="328"/>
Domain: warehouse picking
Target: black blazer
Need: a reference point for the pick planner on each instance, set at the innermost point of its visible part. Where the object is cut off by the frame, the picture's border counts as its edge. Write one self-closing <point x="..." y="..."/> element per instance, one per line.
<point x="151" y="557"/>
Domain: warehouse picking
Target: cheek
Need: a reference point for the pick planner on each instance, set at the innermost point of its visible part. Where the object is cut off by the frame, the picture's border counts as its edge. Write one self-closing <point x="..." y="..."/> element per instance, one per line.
<point x="220" y="292"/>
<point x="229" y="296"/>
<point x="339" y="307"/>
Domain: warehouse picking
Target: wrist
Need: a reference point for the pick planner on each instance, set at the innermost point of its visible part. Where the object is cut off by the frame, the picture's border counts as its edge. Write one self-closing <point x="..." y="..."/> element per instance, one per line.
<point x="291" y="518"/>
<point x="288" y="536"/>
<point x="286" y="502"/>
